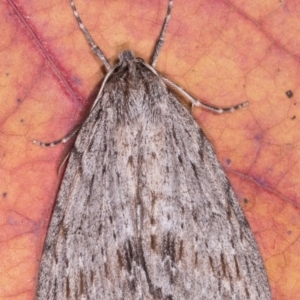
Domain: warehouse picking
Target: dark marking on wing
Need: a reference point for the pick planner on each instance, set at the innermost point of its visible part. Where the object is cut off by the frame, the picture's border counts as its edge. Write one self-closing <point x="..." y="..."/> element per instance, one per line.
<point x="153" y="242"/>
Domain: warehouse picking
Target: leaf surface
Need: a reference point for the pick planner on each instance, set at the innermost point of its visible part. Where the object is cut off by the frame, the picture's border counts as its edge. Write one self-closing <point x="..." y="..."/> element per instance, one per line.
<point x="222" y="52"/>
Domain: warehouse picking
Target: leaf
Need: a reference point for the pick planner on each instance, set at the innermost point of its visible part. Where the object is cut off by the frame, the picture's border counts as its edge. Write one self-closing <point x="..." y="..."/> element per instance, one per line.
<point x="222" y="53"/>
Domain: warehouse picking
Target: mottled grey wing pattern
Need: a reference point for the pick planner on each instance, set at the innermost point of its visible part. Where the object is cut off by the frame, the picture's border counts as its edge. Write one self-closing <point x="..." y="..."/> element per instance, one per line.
<point x="144" y="210"/>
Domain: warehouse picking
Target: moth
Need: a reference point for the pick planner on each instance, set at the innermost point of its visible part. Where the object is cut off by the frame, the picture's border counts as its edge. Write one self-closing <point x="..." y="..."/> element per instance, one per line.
<point x="145" y="210"/>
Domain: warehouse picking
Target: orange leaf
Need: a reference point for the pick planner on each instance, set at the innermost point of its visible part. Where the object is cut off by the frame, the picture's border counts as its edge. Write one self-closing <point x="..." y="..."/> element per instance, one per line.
<point x="223" y="53"/>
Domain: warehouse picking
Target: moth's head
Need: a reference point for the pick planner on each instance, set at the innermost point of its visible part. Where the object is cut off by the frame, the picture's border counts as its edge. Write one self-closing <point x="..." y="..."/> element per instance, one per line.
<point x="128" y="62"/>
<point x="126" y="57"/>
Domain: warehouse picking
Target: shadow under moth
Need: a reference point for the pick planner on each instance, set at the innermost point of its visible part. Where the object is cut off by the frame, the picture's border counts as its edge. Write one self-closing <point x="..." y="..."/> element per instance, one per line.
<point x="145" y="210"/>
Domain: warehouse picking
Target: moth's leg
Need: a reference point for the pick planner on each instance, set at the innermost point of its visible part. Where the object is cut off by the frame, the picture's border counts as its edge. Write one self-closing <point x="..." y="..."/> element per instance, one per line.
<point x="196" y="102"/>
<point x="54" y="143"/>
<point x="69" y="136"/>
<point x="63" y="162"/>
<point x="161" y="39"/>
<point x="91" y="41"/>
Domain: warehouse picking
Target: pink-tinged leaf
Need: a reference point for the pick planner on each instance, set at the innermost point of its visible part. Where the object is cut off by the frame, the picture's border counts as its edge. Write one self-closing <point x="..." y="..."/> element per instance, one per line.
<point x="223" y="52"/>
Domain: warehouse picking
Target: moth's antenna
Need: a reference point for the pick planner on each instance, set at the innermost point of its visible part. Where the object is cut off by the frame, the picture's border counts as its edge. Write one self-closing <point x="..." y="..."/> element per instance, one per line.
<point x="94" y="46"/>
<point x="161" y="39"/>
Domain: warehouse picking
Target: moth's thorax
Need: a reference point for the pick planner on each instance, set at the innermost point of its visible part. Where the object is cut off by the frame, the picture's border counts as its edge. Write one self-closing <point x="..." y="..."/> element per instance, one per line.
<point x="136" y="92"/>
